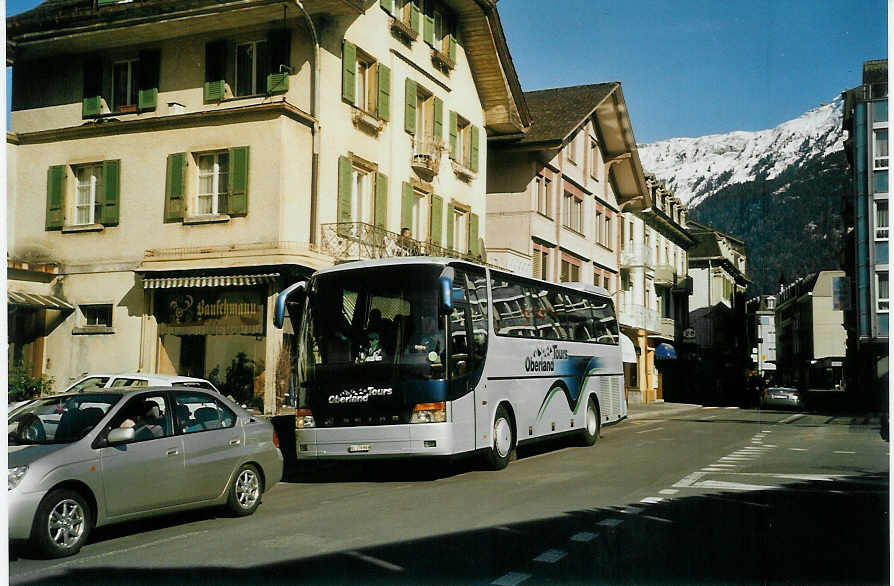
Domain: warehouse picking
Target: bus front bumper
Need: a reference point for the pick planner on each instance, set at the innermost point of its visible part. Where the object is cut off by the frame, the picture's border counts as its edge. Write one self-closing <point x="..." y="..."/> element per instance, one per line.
<point x="380" y="441"/>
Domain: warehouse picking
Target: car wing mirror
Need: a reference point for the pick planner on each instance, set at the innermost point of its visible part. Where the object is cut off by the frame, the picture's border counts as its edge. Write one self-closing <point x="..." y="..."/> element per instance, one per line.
<point x="120" y="435"/>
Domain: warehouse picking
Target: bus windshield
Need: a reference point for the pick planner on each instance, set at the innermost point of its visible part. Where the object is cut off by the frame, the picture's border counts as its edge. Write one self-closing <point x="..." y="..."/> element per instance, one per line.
<point x="369" y="325"/>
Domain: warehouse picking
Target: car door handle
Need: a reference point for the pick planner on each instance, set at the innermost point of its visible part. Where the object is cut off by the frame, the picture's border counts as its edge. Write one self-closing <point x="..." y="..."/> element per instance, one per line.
<point x="235" y="442"/>
<point x="173" y="452"/>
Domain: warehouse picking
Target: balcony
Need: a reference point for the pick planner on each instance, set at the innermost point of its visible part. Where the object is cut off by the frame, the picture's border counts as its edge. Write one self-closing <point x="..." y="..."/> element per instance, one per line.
<point x="665" y="275"/>
<point x="361" y="241"/>
<point x="636" y="255"/>
<point x="403" y="30"/>
<point x="427" y="156"/>
<point x="682" y="285"/>
<point x="637" y="316"/>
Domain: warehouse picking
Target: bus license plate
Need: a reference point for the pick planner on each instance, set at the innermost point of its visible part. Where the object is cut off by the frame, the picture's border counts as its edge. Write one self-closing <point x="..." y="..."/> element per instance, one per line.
<point x="355" y="448"/>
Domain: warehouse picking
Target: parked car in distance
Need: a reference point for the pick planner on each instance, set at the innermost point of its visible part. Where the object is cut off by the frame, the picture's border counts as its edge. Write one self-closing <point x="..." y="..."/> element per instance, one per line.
<point x="85" y="459"/>
<point x="137" y="379"/>
<point x="781" y="397"/>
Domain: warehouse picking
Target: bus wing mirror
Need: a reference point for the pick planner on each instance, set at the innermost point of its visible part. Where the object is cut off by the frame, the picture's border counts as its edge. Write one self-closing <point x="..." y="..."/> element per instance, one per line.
<point x="445" y="293"/>
<point x="279" y="311"/>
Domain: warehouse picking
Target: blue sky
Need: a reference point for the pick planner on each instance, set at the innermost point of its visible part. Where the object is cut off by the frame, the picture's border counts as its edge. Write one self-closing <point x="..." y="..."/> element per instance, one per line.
<point x="693" y="67"/>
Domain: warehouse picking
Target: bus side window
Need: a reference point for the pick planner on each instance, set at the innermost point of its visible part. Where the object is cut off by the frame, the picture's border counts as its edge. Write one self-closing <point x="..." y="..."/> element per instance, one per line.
<point x="476" y="294"/>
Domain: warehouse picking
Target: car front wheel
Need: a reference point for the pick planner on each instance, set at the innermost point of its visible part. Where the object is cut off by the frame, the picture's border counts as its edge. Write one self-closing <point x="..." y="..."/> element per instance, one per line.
<point x="245" y="494"/>
<point x="62" y="524"/>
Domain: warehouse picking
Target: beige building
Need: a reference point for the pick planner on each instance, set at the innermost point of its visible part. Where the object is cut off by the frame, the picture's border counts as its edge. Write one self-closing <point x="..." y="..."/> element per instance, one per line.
<point x="654" y="289"/>
<point x="555" y="196"/>
<point x="189" y="160"/>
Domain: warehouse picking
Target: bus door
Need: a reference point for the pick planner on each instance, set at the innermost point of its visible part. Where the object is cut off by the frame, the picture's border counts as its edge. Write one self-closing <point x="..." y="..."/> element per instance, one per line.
<point x="467" y="335"/>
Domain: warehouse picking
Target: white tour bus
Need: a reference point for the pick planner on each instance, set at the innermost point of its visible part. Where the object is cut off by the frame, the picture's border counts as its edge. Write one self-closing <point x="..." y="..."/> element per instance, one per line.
<point x="438" y="357"/>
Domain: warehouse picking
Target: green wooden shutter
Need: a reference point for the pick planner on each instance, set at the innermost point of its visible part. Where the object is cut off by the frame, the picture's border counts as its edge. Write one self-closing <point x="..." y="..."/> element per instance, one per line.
<point x="381" y="213"/>
<point x="92" y="103"/>
<point x="406" y="207"/>
<point x="453" y="133"/>
<point x="343" y="212"/>
<point x="383" y="104"/>
<point x="437" y="219"/>
<point x="348" y="71"/>
<point x="439" y="119"/>
<point x="215" y="71"/>
<point x="410" y="110"/>
<point x="111" y="192"/>
<point x="174" y="183"/>
<point x="388" y="5"/>
<point x="280" y="43"/>
<point x="149" y="65"/>
<point x="237" y="204"/>
<point x="473" y="235"/>
<point x="414" y="16"/>
<point x="55" y="197"/>
<point x="473" y="149"/>
<point x="451" y="48"/>
<point x="428" y="29"/>
<point x="450" y="212"/>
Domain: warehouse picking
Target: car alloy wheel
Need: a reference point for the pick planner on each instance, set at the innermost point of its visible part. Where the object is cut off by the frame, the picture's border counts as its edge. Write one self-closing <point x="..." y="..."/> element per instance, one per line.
<point x="62" y="523"/>
<point x="245" y="496"/>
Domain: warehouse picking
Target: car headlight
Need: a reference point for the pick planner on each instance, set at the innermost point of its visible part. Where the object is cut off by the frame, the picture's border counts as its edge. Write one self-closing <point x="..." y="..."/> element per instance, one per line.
<point x="15" y="476"/>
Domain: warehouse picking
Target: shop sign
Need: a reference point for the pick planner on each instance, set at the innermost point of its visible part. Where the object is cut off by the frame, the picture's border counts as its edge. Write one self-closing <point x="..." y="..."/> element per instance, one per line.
<point x="200" y="311"/>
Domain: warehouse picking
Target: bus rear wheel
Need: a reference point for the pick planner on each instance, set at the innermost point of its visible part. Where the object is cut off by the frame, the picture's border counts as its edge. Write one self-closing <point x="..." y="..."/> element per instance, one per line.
<point x="591" y="423"/>
<point x="503" y="440"/>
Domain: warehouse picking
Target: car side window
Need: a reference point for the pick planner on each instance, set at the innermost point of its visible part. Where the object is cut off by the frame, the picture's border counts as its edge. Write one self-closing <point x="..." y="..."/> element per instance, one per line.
<point x="130" y="382"/>
<point x="94" y="382"/>
<point x="195" y="412"/>
<point x="147" y="415"/>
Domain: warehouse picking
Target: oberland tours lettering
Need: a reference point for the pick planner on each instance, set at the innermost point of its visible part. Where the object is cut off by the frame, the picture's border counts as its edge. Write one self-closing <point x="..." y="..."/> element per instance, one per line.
<point x="544" y="359"/>
<point x="358" y="395"/>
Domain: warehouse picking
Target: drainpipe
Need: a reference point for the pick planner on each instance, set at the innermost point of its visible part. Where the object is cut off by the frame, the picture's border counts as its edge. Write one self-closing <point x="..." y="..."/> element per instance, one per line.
<point x="314" y="111"/>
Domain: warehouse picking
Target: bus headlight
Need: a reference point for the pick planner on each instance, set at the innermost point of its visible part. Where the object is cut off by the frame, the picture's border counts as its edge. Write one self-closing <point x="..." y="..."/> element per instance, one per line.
<point x="304" y="418"/>
<point x="429" y="413"/>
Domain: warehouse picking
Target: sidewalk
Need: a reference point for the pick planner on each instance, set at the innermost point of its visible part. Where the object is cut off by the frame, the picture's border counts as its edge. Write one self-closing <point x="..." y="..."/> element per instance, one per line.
<point x="657" y="409"/>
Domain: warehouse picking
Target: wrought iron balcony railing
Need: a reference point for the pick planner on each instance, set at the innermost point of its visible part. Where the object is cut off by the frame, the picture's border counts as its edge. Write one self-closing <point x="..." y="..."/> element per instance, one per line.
<point x="358" y="240"/>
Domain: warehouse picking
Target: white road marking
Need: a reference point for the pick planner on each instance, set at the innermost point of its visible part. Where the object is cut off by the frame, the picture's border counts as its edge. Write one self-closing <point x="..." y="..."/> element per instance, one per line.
<point x="720" y="485"/>
<point x="651" y="430"/>
<point x="551" y="556"/>
<point x="375" y="561"/>
<point x="83" y="560"/>
<point x="724" y="465"/>
<point x="798" y="449"/>
<point x="770" y="445"/>
<point x="794" y="418"/>
<point x="584" y="537"/>
<point x="652" y="500"/>
<point x="610" y="522"/>
<point x="668" y="491"/>
<point x="713" y="470"/>
<point x="730" y="408"/>
<point x="708" y="418"/>
<point x="511" y="579"/>
<point x="660" y="519"/>
<point x="632" y="510"/>
<point x="507" y="529"/>
<point x="844" y="452"/>
<point x="689" y="480"/>
<point x="710" y="408"/>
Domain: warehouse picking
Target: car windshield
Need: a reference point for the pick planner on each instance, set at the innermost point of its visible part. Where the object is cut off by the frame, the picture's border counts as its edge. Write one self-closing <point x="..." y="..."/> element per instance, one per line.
<point x="59" y="420"/>
<point x="91" y="382"/>
<point x="366" y="323"/>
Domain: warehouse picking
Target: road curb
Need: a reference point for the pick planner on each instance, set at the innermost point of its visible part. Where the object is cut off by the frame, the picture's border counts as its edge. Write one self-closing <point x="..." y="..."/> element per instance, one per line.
<point x="661" y="410"/>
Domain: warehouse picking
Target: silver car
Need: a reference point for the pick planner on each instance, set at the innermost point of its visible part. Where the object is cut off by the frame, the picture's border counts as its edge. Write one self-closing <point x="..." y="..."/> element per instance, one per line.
<point x="85" y="459"/>
<point x="781" y="397"/>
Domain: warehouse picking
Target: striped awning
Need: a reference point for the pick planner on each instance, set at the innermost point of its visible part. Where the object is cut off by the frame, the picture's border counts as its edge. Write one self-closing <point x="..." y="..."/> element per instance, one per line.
<point x="208" y="281"/>
<point x="35" y="300"/>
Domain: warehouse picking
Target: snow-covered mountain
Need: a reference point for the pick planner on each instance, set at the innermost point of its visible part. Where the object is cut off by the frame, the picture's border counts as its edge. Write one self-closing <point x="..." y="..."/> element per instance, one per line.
<point x="697" y="168"/>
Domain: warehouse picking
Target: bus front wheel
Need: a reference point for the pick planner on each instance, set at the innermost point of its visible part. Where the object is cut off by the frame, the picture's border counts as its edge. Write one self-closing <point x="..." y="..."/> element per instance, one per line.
<point x="591" y="423"/>
<point x="503" y="440"/>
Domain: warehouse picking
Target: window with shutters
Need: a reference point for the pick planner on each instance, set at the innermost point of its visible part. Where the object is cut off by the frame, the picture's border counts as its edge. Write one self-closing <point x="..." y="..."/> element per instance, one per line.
<point x="541" y="260"/>
<point x="88" y="186"/>
<point x="570" y="270"/>
<point x="366" y="85"/>
<point x="124" y="93"/>
<point x="214" y="172"/>
<point x="247" y="67"/>
<point x="464" y="142"/>
<point x="419" y="216"/>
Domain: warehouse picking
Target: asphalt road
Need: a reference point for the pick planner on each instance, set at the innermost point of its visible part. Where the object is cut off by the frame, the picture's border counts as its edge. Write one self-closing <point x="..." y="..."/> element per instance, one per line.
<point x="711" y="495"/>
